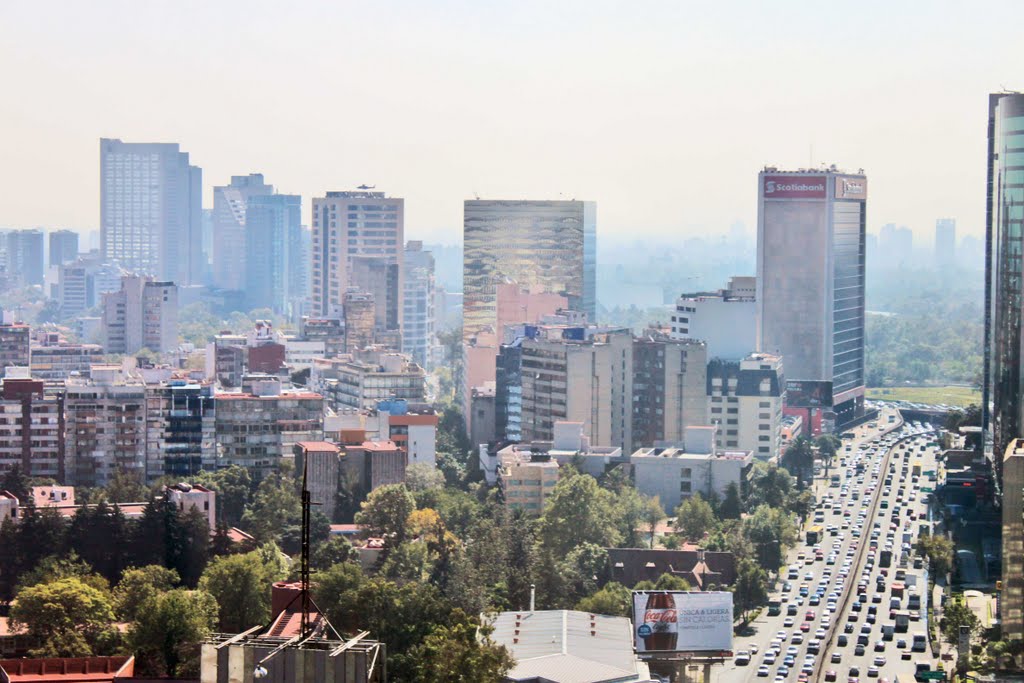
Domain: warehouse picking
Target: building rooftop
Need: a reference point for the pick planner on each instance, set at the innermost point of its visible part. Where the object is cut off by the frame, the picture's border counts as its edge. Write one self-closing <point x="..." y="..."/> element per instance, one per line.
<point x="565" y="646"/>
<point x="681" y="453"/>
<point x="318" y="446"/>
<point x="66" y="669"/>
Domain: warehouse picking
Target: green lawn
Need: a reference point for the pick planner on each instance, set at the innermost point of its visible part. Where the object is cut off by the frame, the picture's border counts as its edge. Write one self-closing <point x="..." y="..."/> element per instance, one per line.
<point x="950" y="395"/>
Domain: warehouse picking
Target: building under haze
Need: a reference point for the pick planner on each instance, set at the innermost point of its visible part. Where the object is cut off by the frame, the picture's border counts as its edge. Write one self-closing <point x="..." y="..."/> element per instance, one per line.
<point x="230" y="210"/>
<point x="895" y="245"/>
<point x="25" y="257"/>
<point x="545" y="246"/>
<point x="1004" y="287"/>
<point x="63" y="247"/>
<point x="151" y="210"/>
<point x="945" y="242"/>
<point x="347" y="225"/>
<point x="810" y="279"/>
<point x="725" y="320"/>
<point x="275" y="263"/>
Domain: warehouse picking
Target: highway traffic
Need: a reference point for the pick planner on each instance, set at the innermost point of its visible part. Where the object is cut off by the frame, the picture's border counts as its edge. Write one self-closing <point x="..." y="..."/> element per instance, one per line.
<point x="850" y="605"/>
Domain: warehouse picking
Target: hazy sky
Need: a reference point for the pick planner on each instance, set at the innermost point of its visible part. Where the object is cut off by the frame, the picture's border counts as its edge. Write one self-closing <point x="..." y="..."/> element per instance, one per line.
<point x="662" y="112"/>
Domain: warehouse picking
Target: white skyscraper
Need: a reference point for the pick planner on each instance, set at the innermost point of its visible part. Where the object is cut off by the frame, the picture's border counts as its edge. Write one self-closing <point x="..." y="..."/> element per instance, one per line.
<point x="230" y="205"/>
<point x="151" y="210"/>
<point x="418" y="325"/>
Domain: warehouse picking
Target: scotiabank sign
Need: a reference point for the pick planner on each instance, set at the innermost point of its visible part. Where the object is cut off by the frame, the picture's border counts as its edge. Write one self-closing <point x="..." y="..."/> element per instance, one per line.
<point x="851" y="188"/>
<point x="794" y="187"/>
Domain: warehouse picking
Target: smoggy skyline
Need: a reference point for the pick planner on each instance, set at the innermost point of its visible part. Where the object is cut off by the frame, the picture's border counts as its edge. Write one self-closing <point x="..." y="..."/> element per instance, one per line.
<point x="661" y="112"/>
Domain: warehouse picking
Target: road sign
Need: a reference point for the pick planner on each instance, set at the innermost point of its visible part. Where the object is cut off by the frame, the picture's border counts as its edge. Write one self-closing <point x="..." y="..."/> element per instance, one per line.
<point x="927" y="489"/>
<point x="932" y="675"/>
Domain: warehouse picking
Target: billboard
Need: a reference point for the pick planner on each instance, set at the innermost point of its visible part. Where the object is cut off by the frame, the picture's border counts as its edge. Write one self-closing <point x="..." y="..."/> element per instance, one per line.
<point x="804" y="393"/>
<point x="851" y="187"/>
<point x="793" y="187"/>
<point x="667" y="622"/>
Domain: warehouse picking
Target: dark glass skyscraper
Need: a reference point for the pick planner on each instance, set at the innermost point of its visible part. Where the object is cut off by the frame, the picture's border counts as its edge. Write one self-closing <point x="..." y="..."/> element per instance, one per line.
<point x="1004" y="250"/>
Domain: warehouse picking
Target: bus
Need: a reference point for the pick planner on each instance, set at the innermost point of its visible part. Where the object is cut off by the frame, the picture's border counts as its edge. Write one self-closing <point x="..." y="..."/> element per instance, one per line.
<point x="774" y="607"/>
<point x="916" y="469"/>
<point x="814" y="535"/>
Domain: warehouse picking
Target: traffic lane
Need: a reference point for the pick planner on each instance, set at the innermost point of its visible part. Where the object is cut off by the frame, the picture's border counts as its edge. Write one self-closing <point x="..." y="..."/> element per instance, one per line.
<point x="766" y="627"/>
<point x="764" y="639"/>
<point x="893" y="662"/>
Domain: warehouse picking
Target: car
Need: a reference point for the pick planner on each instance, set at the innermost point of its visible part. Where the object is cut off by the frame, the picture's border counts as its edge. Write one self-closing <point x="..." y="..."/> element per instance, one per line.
<point x="830" y="675"/>
<point x="792" y="651"/>
<point x="855" y="671"/>
<point x="769" y="657"/>
<point x="837" y="658"/>
<point x="742" y="658"/>
<point x="805" y="626"/>
<point x="842" y="640"/>
<point x="797" y="638"/>
<point x="789" y="661"/>
<point x="809" y="616"/>
<point x="901" y="644"/>
<point x="880" y="646"/>
<point x="879" y="661"/>
<point x="872" y="672"/>
<point x="788" y="622"/>
<point x="859" y="650"/>
<point x="848" y="628"/>
<point x="763" y="671"/>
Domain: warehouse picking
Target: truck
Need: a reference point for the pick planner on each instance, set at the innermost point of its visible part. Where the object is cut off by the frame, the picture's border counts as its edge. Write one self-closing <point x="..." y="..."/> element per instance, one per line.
<point x="885" y="558"/>
<point x="814" y="535"/>
<point x="897" y="589"/>
<point x="913" y="602"/>
<point x="902" y="621"/>
<point x="916" y="469"/>
<point x="919" y="643"/>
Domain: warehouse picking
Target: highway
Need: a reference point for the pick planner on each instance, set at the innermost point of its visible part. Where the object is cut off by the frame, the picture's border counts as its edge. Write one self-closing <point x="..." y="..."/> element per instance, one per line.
<point x="843" y="559"/>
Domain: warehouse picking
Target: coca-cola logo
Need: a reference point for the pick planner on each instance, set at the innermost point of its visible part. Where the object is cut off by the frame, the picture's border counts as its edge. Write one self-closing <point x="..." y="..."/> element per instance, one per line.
<point x="662" y="616"/>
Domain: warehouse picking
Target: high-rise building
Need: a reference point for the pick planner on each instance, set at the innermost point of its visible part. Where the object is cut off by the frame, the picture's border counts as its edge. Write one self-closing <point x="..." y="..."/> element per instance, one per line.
<point x="63" y="247"/>
<point x="725" y="320"/>
<point x="945" y="242"/>
<point x="360" y="318"/>
<point x="274" y="263"/>
<point x="545" y="246"/>
<point x="418" y="323"/>
<point x="180" y="423"/>
<point x="1002" y="408"/>
<point x="379" y="277"/>
<point x="25" y="257"/>
<point x="151" y="210"/>
<point x="810" y="279"/>
<point x="105" y="427"/>
<point x="578" y="374"/>
<point x="669" y="388"/>
<point x="895" y="245"/>
<point x="347" y="225"/>
<point x="82" y="283"/>
<point x="31" y="429"/>
<point x="143" y="314"/>
<point x="745" y="401"/>
<point x="15" y="345"/>
<point x="361" y="383"/>
<point x="230" y="210"/>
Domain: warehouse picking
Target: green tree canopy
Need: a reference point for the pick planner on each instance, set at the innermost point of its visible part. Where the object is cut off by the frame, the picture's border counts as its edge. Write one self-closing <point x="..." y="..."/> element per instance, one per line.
<point x="578" y="512"/>
<point x="241" y="586"/>
<point x="71" y="617"/>
<point x="170" y="626"/>
<point x="138" y="585"/>
<point x="385" y="512"/>
<point x="694" y="518"/>
<point x="613" y="599"/>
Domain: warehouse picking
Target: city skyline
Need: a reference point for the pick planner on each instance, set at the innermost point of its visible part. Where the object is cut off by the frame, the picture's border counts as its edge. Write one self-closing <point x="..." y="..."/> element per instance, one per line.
<point x="600" y="111"/>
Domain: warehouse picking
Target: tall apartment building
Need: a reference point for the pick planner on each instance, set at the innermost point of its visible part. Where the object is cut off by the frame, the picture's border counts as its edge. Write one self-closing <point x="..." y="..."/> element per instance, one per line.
<point x="230" y="209"/>
<point x="360" y="318"/>
<point x="82" y="283"/>
<point x="258" y="426"/>
<point x="55" y="360"/>
<point x="418" y="319"/>
<point x="63" y="247"/>
<point x="380" y="278"/>
<point x="810" y="279"/>
<point x="105" y="427"/>
<point x="151" y="210"/>
<point x="1002" y="408"/>
<point x="527" y="478"/>
<point x="347" y="225"/>
<point x="895" y="245"/>
<point x="547" y="246"/>
<point x="329" y="331"/>
<point x="31" y="429"/>
<point x="25" y="257"/>
<point x="15" y="345"/>
<point x="669" y="389"/>
<point x="143" y="314"/>
<point x="274" y="275"/>
<point x="725" y="320"/>
<point x="745" y="402"/>
<point x="945" y="242"/>
<point x="578" y="374"/>
<point x="181" y="425"/>
<point x="321" y="462"/>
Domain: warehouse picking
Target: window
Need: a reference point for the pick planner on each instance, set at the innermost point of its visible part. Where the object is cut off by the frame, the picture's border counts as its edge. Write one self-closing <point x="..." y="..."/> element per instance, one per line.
<point x="764" y="404"/>
<point x="686" y="472"/>
<point x="733" y="411"/>
<point x="764" y="437"/>
<point x="685" y="487"/>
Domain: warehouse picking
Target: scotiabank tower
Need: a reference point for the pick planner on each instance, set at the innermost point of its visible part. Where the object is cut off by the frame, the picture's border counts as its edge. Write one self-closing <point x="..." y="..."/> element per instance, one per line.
<point x="810" y="281"/>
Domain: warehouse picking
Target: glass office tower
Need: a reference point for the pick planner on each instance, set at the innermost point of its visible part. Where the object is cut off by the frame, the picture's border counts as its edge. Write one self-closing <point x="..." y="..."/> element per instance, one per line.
<point x="1004" y="245"/>
<point x="546" y="246"/>
<point x="810" y="280"/>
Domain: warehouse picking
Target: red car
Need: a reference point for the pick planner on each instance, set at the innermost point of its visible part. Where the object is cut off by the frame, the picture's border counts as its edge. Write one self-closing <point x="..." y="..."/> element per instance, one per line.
<point x="805" y="627"/>
<point x="830" y="675"/>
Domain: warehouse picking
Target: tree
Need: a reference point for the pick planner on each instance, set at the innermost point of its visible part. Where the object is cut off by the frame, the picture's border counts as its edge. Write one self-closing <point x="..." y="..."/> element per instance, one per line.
<point x="54" y="568"/>
<point x="463" y="652"/>
<point x="241" y="586"/>
<point x="275" y="506"/>
<point x="578" y="512"/>
<point x="613" y="599"/>
<point x="828" y="445"/>
<point x="169" y="629"/>
<point x="732" y="503"/>
<point x="770" y="531"/>
<point x="651" y="513"/>
<point x="751" y="589"/>
<point x="938" y="550"/>
<point x="799" y="459"/>
<point x="125" y="487"/>
<point x="420" y="476"/>
<point x="99" y="535"/>
<point x="70" y="617"/>
<point x="954" y="615"/>
<point x="138" y="585"/>
<point x="694" y="518"/>
<point x="336" y="550"/>
<point x="16" y="482"/>
<point x="769" y="485"/>
<point x="386" y="511"/>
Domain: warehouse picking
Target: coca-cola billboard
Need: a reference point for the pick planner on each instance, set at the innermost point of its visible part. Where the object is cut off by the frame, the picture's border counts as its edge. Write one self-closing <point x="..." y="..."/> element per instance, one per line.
<point x="794" y="186"/>
<point x="682" y="621"/>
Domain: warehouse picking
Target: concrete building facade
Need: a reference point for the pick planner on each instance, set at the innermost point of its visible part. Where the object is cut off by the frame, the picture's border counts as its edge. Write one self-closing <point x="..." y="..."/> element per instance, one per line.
<point x="25" y="265"/>
<point x="745" y="402"/>
<point x="669" y="389"/>
<point x="31" y="429"/>
<point x="275" y="264"/>
<point x="230" y="213"/>
<point x="418" y="319"/>
<point x="725" y="320"/>
<point x="143" y="314"/>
